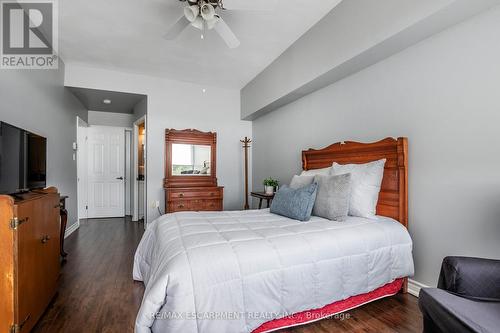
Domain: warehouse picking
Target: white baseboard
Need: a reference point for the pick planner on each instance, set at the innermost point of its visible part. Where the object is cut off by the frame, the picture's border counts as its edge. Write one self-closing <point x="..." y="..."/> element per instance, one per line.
<point x="72" y="229"/>
<point x="414" y="287"/>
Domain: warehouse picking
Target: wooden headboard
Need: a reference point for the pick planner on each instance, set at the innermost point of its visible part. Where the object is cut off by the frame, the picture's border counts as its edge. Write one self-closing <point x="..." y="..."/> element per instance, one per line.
<point x="393" y="197"/>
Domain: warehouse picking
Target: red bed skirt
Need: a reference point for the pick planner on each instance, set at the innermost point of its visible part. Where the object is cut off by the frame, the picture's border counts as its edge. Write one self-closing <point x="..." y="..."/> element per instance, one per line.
<point x="332" y="309"/>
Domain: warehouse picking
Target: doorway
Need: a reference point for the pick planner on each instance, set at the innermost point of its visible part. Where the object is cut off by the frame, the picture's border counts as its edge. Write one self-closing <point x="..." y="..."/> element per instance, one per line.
<point x="102" y="153"/>
<point x="140" y="170"/>
<point x="106" y="148"/>
<point x="106" y="171"/>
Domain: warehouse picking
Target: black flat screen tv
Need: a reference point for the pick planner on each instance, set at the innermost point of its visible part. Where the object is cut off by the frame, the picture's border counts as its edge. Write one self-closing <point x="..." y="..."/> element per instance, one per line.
<point x="23" y="160"/>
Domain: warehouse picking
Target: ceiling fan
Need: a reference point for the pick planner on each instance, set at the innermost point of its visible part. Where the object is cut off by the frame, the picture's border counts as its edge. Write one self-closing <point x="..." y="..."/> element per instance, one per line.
<point x="206" y="15"/>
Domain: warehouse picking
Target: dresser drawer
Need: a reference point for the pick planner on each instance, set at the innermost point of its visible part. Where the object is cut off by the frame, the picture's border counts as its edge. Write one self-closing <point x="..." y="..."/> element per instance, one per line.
<point x="212" y="205"/>
<point x="194" y="199"/>
<point x="209" y="192"/>
<point x="179" y="206"/>
<point x="194" y="205"/>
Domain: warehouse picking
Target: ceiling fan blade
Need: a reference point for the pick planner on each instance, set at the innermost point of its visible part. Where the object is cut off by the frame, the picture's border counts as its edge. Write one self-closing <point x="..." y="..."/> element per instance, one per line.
<point x="227" y="34"/>
<point x="251" y="5"/>
<point x="179" y="26"/>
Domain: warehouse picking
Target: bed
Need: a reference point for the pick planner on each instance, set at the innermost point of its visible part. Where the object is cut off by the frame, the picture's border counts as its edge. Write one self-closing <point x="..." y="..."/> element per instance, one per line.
<point x="254" y="271"/>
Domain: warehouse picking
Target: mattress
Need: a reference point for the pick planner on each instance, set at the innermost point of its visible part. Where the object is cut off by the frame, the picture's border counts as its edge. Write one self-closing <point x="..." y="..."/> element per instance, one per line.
<point x="233" y="271"/>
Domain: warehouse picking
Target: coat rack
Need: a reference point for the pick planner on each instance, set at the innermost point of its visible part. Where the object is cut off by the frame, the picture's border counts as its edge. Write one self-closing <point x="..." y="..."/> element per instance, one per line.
<point x="246" y="144"/>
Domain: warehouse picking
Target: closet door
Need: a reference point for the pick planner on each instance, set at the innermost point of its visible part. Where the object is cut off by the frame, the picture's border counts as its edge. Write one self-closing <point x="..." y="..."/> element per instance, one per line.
<point x="29" y="272"/>
<point x="7" y="254"/>
<point x="51" y="243"/>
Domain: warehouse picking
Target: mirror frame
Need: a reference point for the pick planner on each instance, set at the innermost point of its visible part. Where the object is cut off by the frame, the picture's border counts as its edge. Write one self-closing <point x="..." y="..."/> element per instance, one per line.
<point x="194" y="137"/>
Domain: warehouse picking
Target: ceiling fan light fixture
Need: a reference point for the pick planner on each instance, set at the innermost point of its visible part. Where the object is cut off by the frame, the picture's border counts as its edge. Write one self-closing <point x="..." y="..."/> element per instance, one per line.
<point x="205" y="19"/>
<point x="213" y="22"/>
<point x="198" y="23"/>
<point x="207" y="11"/>
<point x="191" y="12"/>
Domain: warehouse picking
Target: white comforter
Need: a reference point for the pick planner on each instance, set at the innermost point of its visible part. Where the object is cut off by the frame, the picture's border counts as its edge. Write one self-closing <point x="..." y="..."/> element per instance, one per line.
<point x="232" y="271"/>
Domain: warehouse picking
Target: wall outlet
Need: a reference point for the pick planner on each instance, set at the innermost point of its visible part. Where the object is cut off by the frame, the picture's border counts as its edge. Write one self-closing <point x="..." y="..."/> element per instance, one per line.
<point x="156" y="204"/>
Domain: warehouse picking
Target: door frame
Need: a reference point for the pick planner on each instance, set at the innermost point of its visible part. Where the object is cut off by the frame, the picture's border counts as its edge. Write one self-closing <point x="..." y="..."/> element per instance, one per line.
<point x="81" y="147"/>
<point x="128" y="171"/>
<point x="135" y="194"/>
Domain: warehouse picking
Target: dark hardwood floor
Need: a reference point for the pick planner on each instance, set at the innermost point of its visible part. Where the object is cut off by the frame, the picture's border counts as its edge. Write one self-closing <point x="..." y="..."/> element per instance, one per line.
<point x="398" y="314"/>
<point x="97" y="293"/>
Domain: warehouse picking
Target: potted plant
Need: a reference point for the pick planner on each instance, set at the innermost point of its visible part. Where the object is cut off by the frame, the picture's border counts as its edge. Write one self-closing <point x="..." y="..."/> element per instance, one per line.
<point x="270" y="185"/>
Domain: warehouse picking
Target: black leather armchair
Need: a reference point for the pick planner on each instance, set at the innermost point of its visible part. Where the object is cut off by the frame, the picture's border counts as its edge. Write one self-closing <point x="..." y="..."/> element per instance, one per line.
<point x="467" y="298"/>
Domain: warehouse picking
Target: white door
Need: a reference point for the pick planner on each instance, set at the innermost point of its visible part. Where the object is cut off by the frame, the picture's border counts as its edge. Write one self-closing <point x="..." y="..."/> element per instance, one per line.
<point x="106" y="171"/>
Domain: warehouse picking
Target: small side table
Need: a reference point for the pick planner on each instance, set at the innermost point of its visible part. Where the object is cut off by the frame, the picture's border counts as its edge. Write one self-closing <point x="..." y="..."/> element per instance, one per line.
<point x="64" y="221"/>
<point x="263" y="196"/>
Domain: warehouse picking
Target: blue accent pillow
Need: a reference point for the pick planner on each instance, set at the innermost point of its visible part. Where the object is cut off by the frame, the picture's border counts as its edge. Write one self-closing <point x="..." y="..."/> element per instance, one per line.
<point x="296" y="204"/>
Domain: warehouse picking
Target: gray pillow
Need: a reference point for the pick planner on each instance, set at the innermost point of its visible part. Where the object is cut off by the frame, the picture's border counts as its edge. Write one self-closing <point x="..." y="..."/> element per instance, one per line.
<point x="301" y="181"/>
<point x="296" y="204"/>
<point x="332" y="200"/>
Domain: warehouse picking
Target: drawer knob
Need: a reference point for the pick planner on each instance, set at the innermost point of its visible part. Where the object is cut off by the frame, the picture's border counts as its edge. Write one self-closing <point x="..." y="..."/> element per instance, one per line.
<point x="181" y="206"/>
<point x="181" y="195"/>
<point x="212" y="193"/>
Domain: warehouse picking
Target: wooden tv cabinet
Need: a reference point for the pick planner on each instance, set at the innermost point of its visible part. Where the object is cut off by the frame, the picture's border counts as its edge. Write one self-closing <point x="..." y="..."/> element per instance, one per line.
<point x="29" y="257"/>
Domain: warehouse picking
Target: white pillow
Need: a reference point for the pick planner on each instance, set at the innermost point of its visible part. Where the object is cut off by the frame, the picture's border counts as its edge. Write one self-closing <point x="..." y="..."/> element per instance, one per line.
<point x="365" y="186"/>
<point x="301" y="181"/>
<point x="314" y="172"/>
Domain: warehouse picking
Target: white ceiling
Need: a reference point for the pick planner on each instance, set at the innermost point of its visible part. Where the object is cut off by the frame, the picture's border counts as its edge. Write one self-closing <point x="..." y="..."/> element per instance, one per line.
<point x="127" y="35"/>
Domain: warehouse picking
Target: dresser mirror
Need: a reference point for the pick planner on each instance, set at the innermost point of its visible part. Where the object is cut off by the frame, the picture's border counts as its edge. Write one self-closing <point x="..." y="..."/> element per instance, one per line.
<point x="190" y="171"/>
<point x="191" y="160"/>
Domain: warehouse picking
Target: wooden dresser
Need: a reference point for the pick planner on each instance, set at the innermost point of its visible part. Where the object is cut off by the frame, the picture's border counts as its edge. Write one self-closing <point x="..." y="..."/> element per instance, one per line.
<point x="190" y="172"/>
<point x="29" y="257"/>
<point x="194" y="198"/>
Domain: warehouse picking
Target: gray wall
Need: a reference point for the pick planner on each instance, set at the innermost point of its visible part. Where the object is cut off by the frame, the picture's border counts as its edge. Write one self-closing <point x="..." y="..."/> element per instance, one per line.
<point x="353" y="36"/>
<point x="443" y="94"/>
<point x="100" y="118"/>
<point x="350" y="29"/>
<point x="37" y="101"/>
<point x="180" y="105"/>
<point x="141" y="108"/>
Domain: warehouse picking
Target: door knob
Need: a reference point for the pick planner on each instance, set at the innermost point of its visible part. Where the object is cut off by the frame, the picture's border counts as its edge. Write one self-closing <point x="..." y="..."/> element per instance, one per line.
<point x="120" y="178"/>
